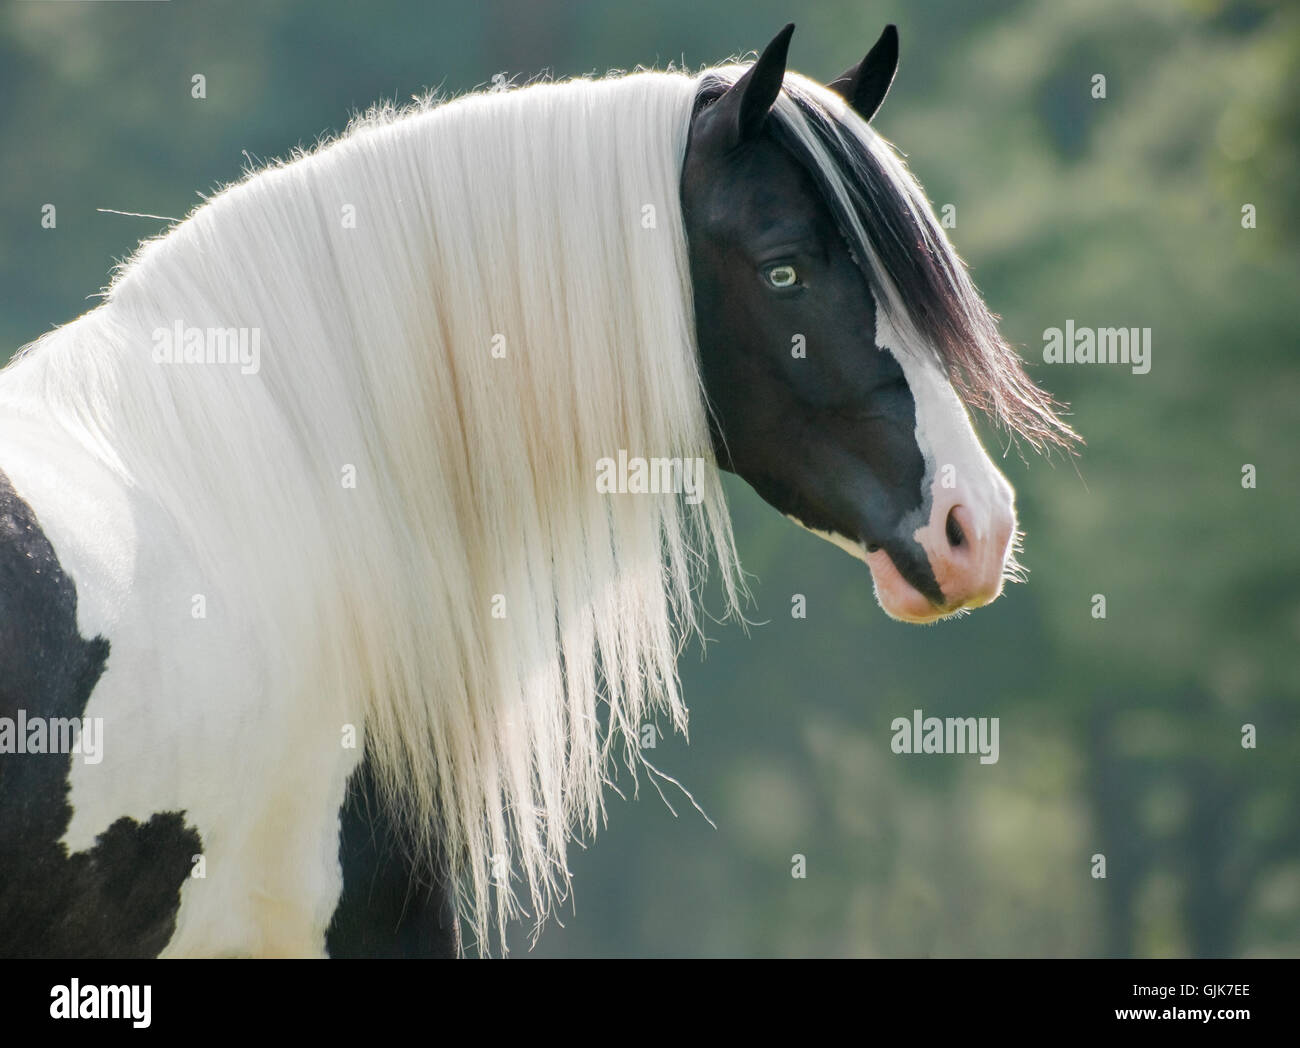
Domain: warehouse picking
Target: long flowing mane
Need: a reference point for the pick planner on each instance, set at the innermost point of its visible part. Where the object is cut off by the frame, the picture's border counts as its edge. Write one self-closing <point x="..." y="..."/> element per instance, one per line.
<point x="498" y="626"/>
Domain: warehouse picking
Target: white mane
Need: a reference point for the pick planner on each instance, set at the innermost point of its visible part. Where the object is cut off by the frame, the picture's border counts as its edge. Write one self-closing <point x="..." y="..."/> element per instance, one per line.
<point x="517" y="213"/>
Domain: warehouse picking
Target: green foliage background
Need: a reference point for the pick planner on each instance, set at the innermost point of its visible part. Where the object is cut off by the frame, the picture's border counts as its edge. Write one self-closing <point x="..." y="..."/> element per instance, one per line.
<point x="1119" y="736"/>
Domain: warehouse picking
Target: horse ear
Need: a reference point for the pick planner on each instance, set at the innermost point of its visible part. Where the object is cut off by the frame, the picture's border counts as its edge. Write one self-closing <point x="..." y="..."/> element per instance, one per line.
<point x="865" y="85"/>
<point x="744" y="107"/>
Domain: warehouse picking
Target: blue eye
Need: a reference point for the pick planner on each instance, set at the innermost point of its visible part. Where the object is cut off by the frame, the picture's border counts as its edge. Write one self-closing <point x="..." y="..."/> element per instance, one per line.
<point x="781" y="276"/>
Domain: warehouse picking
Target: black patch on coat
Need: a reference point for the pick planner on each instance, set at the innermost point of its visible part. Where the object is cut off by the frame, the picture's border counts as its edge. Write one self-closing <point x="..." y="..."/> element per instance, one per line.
<point x="120" y="898"/>
<point x="387" y="909"/>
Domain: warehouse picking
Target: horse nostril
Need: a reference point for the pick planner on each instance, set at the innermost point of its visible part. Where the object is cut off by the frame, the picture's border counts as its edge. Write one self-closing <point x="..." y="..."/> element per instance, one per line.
<point x="952" y="528"/>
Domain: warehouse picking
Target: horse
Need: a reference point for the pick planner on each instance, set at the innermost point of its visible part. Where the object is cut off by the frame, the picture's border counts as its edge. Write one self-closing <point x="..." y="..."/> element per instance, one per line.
<point x="320" y="631"/>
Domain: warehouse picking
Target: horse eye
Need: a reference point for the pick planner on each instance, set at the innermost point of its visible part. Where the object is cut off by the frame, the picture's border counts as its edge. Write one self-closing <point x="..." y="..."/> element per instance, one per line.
<point x="782" y="276"/>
